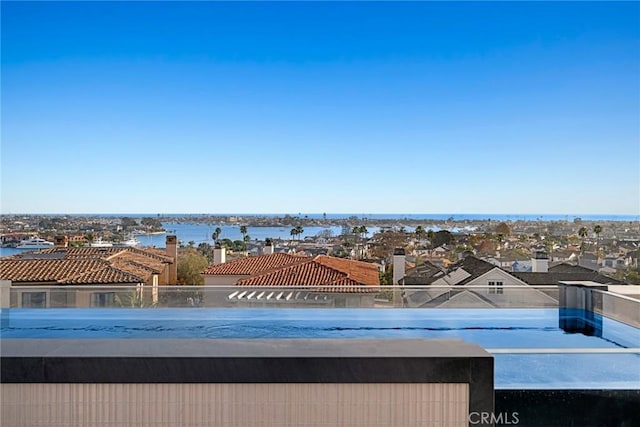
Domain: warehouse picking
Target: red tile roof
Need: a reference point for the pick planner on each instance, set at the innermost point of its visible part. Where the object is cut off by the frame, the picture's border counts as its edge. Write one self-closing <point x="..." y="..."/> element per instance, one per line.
<point x="253" y="265"/>
<point x="324" y="273"/>
<point x="83" y="266"/>
<point x="361" y="272"/>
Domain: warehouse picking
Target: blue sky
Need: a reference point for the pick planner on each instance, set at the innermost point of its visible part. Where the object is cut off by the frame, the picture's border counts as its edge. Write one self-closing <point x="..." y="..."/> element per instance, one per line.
<point x="320" y="107"/>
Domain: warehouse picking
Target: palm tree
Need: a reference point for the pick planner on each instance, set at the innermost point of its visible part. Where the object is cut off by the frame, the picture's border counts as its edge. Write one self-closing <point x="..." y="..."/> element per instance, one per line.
<point x="294" y="232"/>
<point x="583" y="232"/>
<point x="549" y="243"/>
<point x="243" y="231"/>
<point x="299" y="231"/>
<point x="356" y="231"/>
<point x="419" y="232"/>
<point x="431" y="236"/>
<point x="363" y="230"/>
<point x="597" y="229"/>
<point x="246" y="240"/>
<point x="216" y="234"/>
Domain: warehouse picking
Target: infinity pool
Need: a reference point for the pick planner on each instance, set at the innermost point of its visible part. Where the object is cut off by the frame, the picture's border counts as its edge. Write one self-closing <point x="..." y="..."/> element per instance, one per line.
<point x="531" y="350"/>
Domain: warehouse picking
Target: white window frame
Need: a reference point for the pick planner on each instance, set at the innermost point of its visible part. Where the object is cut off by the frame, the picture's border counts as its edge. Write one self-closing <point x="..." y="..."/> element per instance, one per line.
<point x="495" y="287"/>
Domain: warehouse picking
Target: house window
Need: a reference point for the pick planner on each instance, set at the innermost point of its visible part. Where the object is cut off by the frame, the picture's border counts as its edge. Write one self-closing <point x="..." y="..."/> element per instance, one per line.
<point x="34" y="299"/>
<point x="102" y="299"/>
<point x="495" y="287"/>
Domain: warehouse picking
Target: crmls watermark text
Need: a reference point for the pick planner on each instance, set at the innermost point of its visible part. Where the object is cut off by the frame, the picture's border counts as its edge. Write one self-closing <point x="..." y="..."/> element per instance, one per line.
<point x="491" y="418"/>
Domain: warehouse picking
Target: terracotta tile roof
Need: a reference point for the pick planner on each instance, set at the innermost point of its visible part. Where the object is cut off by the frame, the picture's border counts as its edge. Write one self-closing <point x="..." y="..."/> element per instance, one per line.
<point x="73" y="253"/>
<point x="105" y="275"/>
<point x="137" y="263"/>
<point x="83" y="266"/>
<point x="324" y="273"/>
<point x="155" y="253"/>
<point x="59" y="271"/>
<point x="361" y="272"/>
<point x="253" y="265"/>
<point x="47" y="270"/>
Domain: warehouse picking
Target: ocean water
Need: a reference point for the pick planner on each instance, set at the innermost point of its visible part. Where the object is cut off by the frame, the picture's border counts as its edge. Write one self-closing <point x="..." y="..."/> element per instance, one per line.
<point x="201" y="233"/>
<point x="398" y="216"/>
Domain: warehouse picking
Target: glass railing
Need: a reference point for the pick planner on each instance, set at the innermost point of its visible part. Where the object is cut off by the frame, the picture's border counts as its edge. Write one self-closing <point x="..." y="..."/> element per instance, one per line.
<point x="98" y="296"/>
<point x="537" y="342"/>
<point x="618" y="307"/>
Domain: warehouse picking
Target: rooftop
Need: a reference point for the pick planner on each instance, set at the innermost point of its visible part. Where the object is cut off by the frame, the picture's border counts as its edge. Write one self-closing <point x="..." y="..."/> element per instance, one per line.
<point x="64" y="265"/>
<point x="330" y="274"/>
<point x="253" y="265"/>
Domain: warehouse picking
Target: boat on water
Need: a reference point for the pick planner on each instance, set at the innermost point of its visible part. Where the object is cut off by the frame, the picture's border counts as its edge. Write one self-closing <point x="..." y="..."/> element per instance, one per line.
<point x="132" y="241"/>
<point x="34" y="243"/>
<point x="99" y="243"/>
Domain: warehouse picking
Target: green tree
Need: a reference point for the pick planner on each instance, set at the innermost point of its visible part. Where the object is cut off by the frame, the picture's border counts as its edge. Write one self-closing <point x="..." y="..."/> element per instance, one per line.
<point x="299" y="231"/>
<point x="340" y="252"/>
<point x="226" y="243"/>
<point x="583" y="232"/>
<point x="216" y="234"/>
<point x="243" y="231"/>
<point x="597" y="229"/>
<point x="206" y="250"/>
<point x="419" y="232"/>
<point x="431" y="235"/>
<point x="386" y="241"/>
<point x="442" y="237"/>
<point x="360" y="231"/>
<point x="386" y="277"/>
<point x="363" y="231"/>
<point x="151" y="223"/>
<point x="190" y="264"/>
<point x="549" y="244"/>
<point x="128" y="222"/>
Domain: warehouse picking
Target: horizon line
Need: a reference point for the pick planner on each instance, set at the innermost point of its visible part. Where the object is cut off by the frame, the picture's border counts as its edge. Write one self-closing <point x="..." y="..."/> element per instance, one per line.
<point x="329" y="213"/>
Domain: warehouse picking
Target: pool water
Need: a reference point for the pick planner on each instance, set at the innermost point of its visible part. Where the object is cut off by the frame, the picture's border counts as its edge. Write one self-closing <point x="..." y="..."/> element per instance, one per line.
<point x="531" y="350"/>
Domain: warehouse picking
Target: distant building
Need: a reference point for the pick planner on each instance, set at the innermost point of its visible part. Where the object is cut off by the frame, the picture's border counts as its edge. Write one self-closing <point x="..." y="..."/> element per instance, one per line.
<point x="81" y="271"/>
<point x="343" y="282"/>
<point x="473" y="282"/>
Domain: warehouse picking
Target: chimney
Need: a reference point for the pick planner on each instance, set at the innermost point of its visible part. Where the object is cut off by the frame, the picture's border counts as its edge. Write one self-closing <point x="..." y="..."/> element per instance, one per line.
<point x="398" y="265"/>
<point x="172" y="251"/>
<point x="268" y="247"/>
<point x="540" y="262"/>
<point x="219" y="254"/>
<point x="61" y="241"/>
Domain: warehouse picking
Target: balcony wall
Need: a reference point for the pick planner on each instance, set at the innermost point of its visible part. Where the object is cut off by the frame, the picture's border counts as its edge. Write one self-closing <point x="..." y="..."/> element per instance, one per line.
<point x="272" y="382"/>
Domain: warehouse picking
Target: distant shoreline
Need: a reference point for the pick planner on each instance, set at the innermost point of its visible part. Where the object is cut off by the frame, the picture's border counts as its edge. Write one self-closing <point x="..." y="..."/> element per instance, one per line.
<point x="347" y="217"/>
